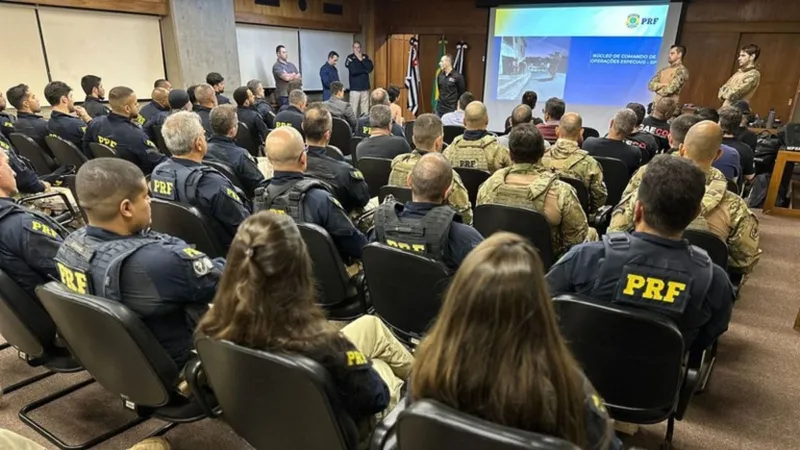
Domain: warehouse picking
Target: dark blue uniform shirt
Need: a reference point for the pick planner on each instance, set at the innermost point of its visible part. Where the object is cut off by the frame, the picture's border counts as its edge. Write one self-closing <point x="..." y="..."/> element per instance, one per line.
<point x="347" y="183"/>
<point x="291" y="116"/>
<point x="251" y="118"/>
<point x="224" y="149"/>
<point x="328" y="74"/>
<point x="221" y="99"/>
<point x="359" y="72"/>
<point x="126" y="139"/>
<point x="69" y="128"/>
<point x="149" y="110"/>
<point x="205" y="118"/>
<point x="33" y="126"/>
<point x="27" y="180"/>
<point x="267" y="113"/>
<point x="362" y="128"/>
<point x="6" y="123"/>
<point x="95" y="108"/>
<point x="157" y="121"/>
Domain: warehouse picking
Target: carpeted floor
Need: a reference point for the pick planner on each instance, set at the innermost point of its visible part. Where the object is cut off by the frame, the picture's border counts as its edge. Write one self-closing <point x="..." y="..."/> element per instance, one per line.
<point x="751" y="403"/>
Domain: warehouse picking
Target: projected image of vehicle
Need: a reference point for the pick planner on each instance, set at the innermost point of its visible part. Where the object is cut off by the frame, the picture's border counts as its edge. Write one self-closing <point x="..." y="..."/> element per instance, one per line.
<point x="532" y="63"/>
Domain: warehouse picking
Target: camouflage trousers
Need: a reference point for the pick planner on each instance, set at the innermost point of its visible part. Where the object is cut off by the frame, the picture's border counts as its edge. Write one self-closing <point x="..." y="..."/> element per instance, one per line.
<point x="54" y="206"/>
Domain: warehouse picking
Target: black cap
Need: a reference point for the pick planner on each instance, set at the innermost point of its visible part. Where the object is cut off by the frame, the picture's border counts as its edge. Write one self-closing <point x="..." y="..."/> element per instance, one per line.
<point x="178" y="98"/>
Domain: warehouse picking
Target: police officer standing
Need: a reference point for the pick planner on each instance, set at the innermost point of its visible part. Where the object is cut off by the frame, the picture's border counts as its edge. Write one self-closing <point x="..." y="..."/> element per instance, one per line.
<point x="477" y="148"/>
<point x="184" y="179"/>
<point x="28" y="122"/>
<point x="118" y="132"/>
<point x="360" y="66"/>
<point x="222" y="148"/>
<point x="451" y="86"/>
<point x="261" y="105"/>
<point x="206" y="101"/>
<point x="425" y="225"/>
<point x="92" y="86"/>
<point x="328" y="74"/>
<point x="6" y="119"/>
<point x="653" y="268"/>
<point x="217" y="82"/>
<point x="162" y="279"/>
<point x="306" y="200"/>
<point x="63" y="122"/>
<point x="248" y="115"/>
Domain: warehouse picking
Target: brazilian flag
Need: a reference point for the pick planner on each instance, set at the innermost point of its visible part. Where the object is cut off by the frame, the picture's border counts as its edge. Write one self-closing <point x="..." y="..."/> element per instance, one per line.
<point x="435" y="92"/>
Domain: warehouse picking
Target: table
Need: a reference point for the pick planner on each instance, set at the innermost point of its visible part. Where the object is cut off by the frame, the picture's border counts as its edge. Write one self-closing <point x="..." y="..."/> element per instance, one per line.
<point x="784" y="156"/>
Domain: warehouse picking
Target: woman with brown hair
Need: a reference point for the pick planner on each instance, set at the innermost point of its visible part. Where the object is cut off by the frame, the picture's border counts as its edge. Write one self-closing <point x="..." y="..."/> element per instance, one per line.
<point x="266" y="300"/>
<point x="495" y="351"/>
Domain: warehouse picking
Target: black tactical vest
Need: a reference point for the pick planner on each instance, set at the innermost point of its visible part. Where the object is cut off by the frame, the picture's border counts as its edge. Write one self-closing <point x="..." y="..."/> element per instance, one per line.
<point x="286" y="198"/>
<point x="426" y="236"/>
<point x="10" y="208"/>
<point x="178" y="183"/>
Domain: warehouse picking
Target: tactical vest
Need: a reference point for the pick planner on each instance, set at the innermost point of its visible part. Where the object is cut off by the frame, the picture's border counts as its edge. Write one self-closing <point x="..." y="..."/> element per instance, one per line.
<point x="89" y="265"/>
<point x="401" y="167"/>
<point x="9" y="208"/>
<point x="178" y="183"/>
<point x="471" y="154"/>
<point x="670" y="281"/>
<point x="426" y="236"/>
<point x="319" y="169"/>
<point x="287" y="198"/>
<point x="566" y="164"/>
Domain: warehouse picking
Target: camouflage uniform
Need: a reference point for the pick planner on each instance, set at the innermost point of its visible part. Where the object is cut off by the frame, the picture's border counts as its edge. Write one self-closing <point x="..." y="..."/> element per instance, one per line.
<point x="674" y="77"/>
<point x="723" y="213"/>
<point x="458" y="198"/>
<point x="554" y="199"/>
<point x="484" y="154"/>
<point x="565" y="158"/>
<point x="741" y="85"/>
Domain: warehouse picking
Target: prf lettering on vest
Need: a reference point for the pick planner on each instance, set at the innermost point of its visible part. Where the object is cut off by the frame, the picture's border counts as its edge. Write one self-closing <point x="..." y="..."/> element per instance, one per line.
<point x="467" y="163"/>
<point x="38" y="226"/>
<point x="653" y="288"/>
<point x="366" y="130"/>
<point x="277" y="211"/>
<point x="419" y="248"/>
<point x="162" y="187"/>
<point x="106" y="141"/>
<point x="282" y="124"/>
<point x="74" y="280"/>
<point x="356" y="358"/>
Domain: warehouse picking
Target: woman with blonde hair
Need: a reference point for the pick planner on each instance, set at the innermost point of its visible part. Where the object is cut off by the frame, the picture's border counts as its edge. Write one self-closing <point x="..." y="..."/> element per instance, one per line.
<point x="495" y="351"/>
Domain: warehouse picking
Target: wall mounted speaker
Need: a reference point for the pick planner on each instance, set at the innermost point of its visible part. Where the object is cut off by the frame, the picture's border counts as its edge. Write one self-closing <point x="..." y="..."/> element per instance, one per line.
<point x="268" y="2"/>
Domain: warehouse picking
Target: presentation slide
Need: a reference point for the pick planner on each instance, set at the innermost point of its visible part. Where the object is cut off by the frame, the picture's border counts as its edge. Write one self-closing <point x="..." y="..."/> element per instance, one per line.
<point x="596" y="58"/>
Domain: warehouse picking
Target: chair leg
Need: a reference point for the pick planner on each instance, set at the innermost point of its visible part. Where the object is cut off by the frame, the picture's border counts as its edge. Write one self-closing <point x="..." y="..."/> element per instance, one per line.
<point x="23" y="416"/>
<point x="163" y="430"/>
<point x="4" y="346"/>
<point x="670" y="430"/>
<point x="27" y="382"/>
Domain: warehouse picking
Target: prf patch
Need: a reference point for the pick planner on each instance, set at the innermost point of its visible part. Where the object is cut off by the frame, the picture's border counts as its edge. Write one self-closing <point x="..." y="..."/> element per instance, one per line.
<point x="669" y="293"/>
<point x="201" y="264"/>
<point x="357" y="175"/>
<point x="336" y="202"/>
<point x="355" y="358"/>
<point x="598" y="403"/>
<point x="41" y="228"/>
<point x="75" y="280"/>
<point x="232" y="194"/>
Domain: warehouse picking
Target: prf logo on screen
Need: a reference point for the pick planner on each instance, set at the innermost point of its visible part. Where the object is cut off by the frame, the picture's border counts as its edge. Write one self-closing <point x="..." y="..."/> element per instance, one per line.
<point x="634" y="20"/>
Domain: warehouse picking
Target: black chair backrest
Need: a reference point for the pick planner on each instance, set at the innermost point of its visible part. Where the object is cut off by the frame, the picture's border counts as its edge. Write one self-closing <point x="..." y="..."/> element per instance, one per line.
<point x="733" y="186"/>
<point x="430" y="425"/>
<point x="451" y="132"/>
<point x="616" y="177"/>
<point x="632" y="357"/>
<point x="406" y="289"/>
<point x="329" y="271"/>
<point x="244" y="139"/>
<point x="69" y="182"/>
<point x="23" y="321"/>
<point x="102" y="151"/>
<point x="408" y="130"/>
<point x="296" y="406"/>
<point x="25" y="146"/>
<point x="580" y="190"/>
<point x="489" y="219"/>
<point x="113" y="344"/>
<point x="376" y="173"/>
<point x="229" y="174"/>
<point x="334" y="152"/>
<point x="590" y="132"/>
<point x="341" y="136"/>
<point x="66" y="152"/>
<point x="717" y="249"/>
<point x="187" y="223"/>
<point x="401" y="194"/>
<point x="473" y="179"/>
<point x="160" y="143"/>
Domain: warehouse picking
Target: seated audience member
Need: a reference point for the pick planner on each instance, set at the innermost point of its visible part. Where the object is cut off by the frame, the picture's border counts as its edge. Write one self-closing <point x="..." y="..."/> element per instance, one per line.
<point x="206" y="101"/>
<point x="656" y="123"/>
<point x="566" y="159"/>
<point x="614" y="145"/>
<point x="381" y="143"/>
<point x="477" y="148"/>
<point x="222" y="148"/>
<point x="644" y="141"/>
<point x="159" y="102"/>
<point x="304" y="199"/>
<point x="698" y="292"/>
<point x="27" y="181"/>
<point x="248" y="115"/>
<point x="6" y="119"/>
<point x="92" y="86"/>
<point x="554" y="108"/>
<point x="730" y="162"/>
<point x="426" y="221"/>
<point x="347" y="183"/>
<point x="162" y="83"/>
<point x="527" y="184"/>
<point x="178" y="101"/>
<point x="261" y="104"/>
<point x="294" y="85"/>
<point x="269" y="273"/>
<point x="722" y="212"/>
<point x="529" y="98"/>
<point x="192" y="97"/>
<point x="456" y="118"/>
<point x="340" y="108"/>
<point x="397" y="111"/>
<point x="63" y="122"/>
<point x="162" y="279"/>
<point x="292" y="116"/>
<point x="183" y="178"/>
<point x="678" y="129"/>
<point x="217" y="82"/>
<point x="28" y="122"/>
<point x="485" y="364"/>
<point x="729" y="119"/>
<point x="428" y="138"/>
<point x="116" y="130"/>
<point x="743" y="133"/>
<point x="28" y="240"/>
<point x="520" y="114"/>
<point x="378" y="96"/>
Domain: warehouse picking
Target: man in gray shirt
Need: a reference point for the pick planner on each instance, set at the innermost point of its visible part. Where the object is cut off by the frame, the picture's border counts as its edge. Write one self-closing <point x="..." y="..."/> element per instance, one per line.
<point x="284" y="72"/>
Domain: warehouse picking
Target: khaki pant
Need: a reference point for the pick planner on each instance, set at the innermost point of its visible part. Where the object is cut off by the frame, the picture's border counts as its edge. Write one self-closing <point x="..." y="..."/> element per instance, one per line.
<point x="389" y="357"/>
<point x="359" y="100"/>
<point x="10" y="440"/>
<point x="265" y="167"/>
<point x="56" y="205"/>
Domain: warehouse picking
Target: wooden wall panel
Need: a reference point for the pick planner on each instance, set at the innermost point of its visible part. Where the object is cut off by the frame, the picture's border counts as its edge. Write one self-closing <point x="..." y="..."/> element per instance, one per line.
<point x="710" y="58"/>
<point x="743" y="11"/>
<point x="779" y="74"/>
<point x="155" y="7"/>
<point x="289" y="15"/>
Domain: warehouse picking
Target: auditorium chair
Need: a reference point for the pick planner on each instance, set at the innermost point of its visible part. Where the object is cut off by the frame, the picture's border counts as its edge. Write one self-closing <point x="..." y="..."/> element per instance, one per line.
<point x="733" y="186"/>
<point x="101" y="150"/>
<point x="451" y="132"/>
<point x="376" y="173"/>
<point x="354" y="141"/>
<point x="634" y="358"/>
<point x="334" y="152"/>
<point x="400" y="194"/>
<point x="341" y="296"/>
<point x="188" y="223"/>
<point x="66" y="152"/>
<point x="159" y="141"/>
<point x="406" y="289"/>
<point x="616" y="177"/>
<point x="43" y="164"/>
<point x="68" y="181"/>
<point x="123" y="356"/>
<point x="717" y="249"/>
<point x="589" y="132"/>
<point x="62" y="219"/>
<point x="490" y="218"/>
<point x="580" y="191"/>
<point x="244" y="139"/>
<point x="429" y="425"/>
<point x="472" y="179"/>
<point x="276" y="401"/>
<point x="408" y="130"/>
<point x="228" y="172"/>
<point x="341" y="136"/>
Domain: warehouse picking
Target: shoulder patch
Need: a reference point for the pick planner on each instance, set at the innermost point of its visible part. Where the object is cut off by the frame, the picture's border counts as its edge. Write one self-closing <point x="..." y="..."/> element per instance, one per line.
<point x="232" y="194"/>
<point x="201" y="264"/>
<point x="39" y="227"/>
<point x="149" y="143"/>
<point x="356" y="175"/>
<point x="335" y="202"/>
<point x="355" y="358"/>
<point x="597" y="404"/>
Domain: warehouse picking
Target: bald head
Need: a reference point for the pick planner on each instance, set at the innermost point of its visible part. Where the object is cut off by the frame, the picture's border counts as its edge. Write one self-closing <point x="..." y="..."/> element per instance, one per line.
<point x="475" y="116"/>
<point x="160" y="95"/>
<point x="284" y="146"/>
<point x="570" y="127"/>
<point x="702" y="143"/>
<point x="431" y="178"/>
<point x="378" y="96"/>
<point x="205" y="95"/>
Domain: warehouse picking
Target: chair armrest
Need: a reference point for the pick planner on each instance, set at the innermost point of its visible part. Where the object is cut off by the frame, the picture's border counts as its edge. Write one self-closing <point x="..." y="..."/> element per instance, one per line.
<point x="602" y="218"/>
<point x="63" y="218"/>
<point x="194" y="375"/>
<point x="384" y="436"/>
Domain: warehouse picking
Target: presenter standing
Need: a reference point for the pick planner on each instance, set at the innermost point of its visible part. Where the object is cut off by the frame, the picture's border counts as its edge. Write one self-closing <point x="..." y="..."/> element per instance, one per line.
<point x="451" y="86"/>
<point x="360" y="67"/>
<point x="284" y="72"/>
<point x="668" y="82"/>
<point x="742" y="85"/>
